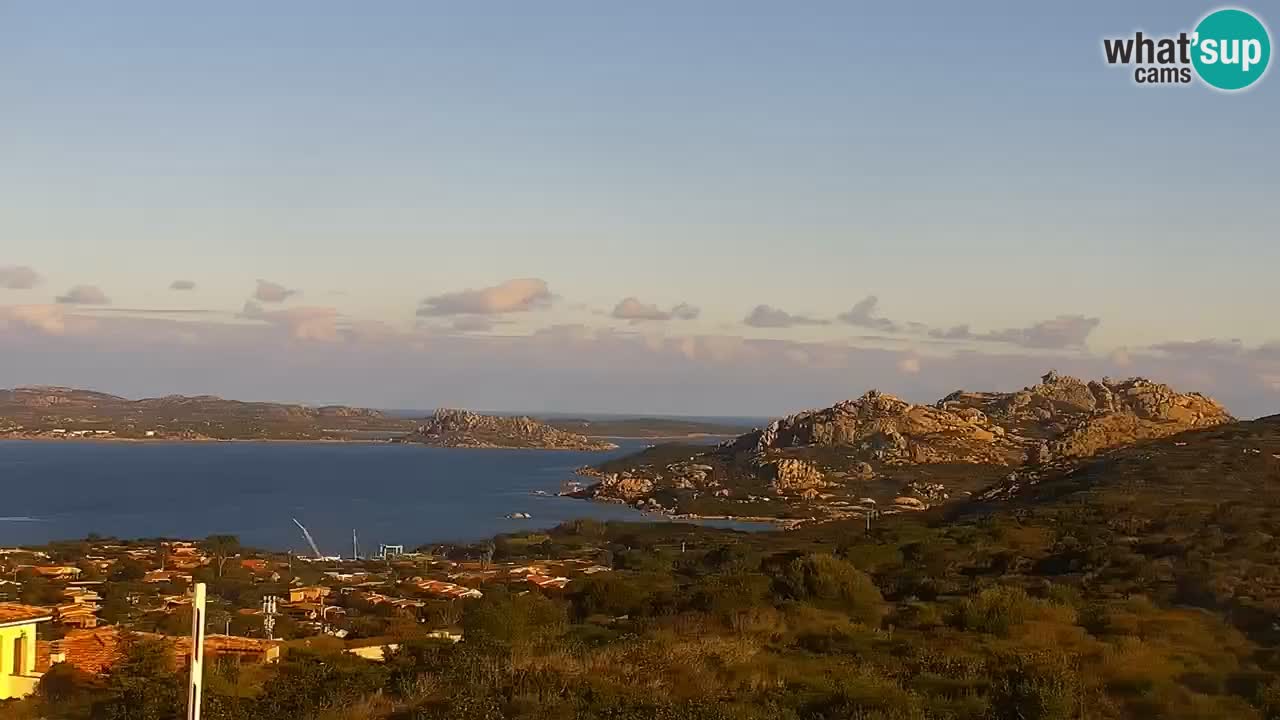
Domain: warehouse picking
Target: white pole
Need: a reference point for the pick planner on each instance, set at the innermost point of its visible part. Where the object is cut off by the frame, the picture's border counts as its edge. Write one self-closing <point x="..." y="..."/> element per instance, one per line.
<point x="197" y="653"/>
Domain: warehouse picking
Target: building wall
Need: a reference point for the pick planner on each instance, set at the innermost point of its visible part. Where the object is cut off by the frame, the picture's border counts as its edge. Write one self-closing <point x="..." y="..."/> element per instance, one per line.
<point x="24" y="681"/>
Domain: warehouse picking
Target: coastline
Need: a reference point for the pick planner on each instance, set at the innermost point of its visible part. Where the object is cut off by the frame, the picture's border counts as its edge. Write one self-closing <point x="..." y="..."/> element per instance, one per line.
<point x="387" y="441"/>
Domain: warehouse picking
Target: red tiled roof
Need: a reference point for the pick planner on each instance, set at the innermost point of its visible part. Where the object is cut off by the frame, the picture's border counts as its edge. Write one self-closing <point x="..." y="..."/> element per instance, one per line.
<point x="96" y="650"/>
<point x="12" y="613"/>
<point x="89" y="650"/>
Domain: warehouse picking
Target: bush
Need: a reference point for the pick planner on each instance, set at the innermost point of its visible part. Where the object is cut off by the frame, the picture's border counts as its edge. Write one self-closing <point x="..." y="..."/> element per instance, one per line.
<point x="1038" y="686"/>
<point x="995" y="610"/>
<point x="830" y="582"/>
<point x="513" y="624"/>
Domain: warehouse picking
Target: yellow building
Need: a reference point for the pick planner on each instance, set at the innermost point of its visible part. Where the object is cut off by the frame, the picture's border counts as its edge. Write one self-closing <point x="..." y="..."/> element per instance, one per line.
<point x="18" y="676"/>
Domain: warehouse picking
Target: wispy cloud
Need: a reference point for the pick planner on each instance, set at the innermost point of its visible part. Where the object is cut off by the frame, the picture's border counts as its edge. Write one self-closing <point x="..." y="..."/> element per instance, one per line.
<point x="473" y="323"/>
<point x="301" y="323"/>
<point x="518" y="295"/>
<point x="767" y="316"/>
<point x="1060" y="333"/>
<point x="84" y="295"/>
<point x="863" y="315"/>
<point x="47" y="319"/>
<point x="18" y="277"/>
<point x="635" y="311"/>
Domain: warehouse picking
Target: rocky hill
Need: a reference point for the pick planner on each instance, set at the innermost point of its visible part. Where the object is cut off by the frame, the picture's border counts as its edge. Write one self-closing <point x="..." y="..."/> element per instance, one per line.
<point x="879" y="448"/>
<point x="464" y="429"/>
<point x="44" y="411"/>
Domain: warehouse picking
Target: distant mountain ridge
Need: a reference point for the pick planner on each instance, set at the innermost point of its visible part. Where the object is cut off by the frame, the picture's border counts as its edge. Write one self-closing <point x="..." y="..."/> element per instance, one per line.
<point x="43" y="410"/>
<point x="884" y="448"/>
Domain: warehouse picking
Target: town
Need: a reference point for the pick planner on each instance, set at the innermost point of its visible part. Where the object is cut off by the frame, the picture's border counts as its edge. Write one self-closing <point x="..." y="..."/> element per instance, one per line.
<point x="77" y="602"/>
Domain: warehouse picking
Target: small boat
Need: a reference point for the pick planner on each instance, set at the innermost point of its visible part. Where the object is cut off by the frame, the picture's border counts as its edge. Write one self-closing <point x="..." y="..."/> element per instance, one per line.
<point x="518" y="516"/>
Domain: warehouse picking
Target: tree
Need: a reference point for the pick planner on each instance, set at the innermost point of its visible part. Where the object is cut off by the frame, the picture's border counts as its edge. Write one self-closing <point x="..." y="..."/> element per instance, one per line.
<point x="66" y="691"/>
<point x="222" y="547"/>
<point x="513" y="625"/>
<point x="143" y="684"/>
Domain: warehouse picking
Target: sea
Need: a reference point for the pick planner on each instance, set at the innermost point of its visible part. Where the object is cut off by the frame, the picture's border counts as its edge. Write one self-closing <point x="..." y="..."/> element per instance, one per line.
<point x="386" y="493"/>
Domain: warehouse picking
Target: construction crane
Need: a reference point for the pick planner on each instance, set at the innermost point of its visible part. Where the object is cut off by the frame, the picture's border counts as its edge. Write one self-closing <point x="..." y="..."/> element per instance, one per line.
<point x="310" y="541"/>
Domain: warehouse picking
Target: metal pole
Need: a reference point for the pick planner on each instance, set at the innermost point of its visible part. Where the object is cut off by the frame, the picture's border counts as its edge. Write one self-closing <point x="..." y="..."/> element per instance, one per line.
<point x="197" y="652"/>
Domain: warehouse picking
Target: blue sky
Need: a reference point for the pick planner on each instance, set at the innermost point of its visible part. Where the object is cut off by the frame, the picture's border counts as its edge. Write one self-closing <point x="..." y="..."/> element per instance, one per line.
<point x="969" y="165"/>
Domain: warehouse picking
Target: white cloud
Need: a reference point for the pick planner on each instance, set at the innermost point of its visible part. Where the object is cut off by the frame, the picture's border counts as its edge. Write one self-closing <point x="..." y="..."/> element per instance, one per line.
<point x="863" y="315"/>
<point x="767" y="316"/>
<point x="270" y="292"/>
<point x="632" y="309"/>
<point x="48" y="319"/>
<point x="301" y="323"/>
<point x="84" y="295"/>
<point x="909" y="365"/>
<point x="516" y="295"/>
<point x="18" y="277"/>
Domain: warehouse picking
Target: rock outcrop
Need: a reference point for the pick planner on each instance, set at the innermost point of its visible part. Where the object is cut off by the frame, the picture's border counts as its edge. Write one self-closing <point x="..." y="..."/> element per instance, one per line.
<point x="465" y="429"/>
<point x="1063" y="417"/>
<point x="789" y="476"/>
<point x="837" y="453"/>
<point x="889" y="430"/>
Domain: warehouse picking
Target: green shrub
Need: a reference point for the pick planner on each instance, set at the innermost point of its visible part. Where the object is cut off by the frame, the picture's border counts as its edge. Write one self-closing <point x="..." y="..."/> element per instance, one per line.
<point x="1035" y="686"/>
<point x="996" y="610"/>
<point x="830" y="582"/>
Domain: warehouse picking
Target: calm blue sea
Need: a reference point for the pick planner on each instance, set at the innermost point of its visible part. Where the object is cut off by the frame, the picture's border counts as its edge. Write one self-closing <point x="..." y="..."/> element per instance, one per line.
<point x="394" y="494"/>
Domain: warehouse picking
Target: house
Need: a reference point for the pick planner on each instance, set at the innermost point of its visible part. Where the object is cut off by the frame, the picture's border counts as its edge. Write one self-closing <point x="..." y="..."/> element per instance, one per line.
<point x="544" y="581"/>
<point x="57" y="572"/>
<point x="76" y="615"/>
<point x="164" y="576"/>
<point x="308" y="594"/>
<point x="371" y="649"/>
<point x="95" y="651"/>
<point x="18" y="676"/>
<point x="246" y="650"/>
<point x="439" y="588"/>
<point x="83" y="596"/>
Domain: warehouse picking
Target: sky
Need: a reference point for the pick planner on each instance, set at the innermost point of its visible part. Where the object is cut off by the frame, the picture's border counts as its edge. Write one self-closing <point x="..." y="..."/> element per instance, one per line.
<point x="712" y="207"/>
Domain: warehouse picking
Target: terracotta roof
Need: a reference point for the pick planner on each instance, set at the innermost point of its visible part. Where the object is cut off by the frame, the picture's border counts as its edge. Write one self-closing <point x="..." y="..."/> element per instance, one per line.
<point x="12" y="613"/>
<point x="96" y="650"/>
<point x="89" y="650"/>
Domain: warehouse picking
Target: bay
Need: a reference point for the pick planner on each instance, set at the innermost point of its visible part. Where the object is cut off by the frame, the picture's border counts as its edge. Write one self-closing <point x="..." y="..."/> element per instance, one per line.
<point x="394" y="494"/>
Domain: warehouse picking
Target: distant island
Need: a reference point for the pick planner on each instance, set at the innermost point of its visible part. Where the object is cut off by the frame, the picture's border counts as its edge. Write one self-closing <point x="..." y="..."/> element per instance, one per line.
<point x="62" y="413"/>
<point x="465" y="429"/>
<point x="879" y="451"/>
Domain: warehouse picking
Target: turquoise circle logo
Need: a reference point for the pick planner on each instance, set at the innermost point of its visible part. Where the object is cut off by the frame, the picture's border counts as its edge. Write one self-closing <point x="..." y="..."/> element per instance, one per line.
<point x="1232" y="49"/>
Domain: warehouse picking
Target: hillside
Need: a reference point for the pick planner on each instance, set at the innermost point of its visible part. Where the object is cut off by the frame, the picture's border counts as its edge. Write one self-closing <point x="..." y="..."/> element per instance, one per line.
<point x="1189" y="520"/>
<point x="44" y="411"/>
<point x="464" y="429"/>
<point x="1138" y="584"/>
<point x="837" y="460"/>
